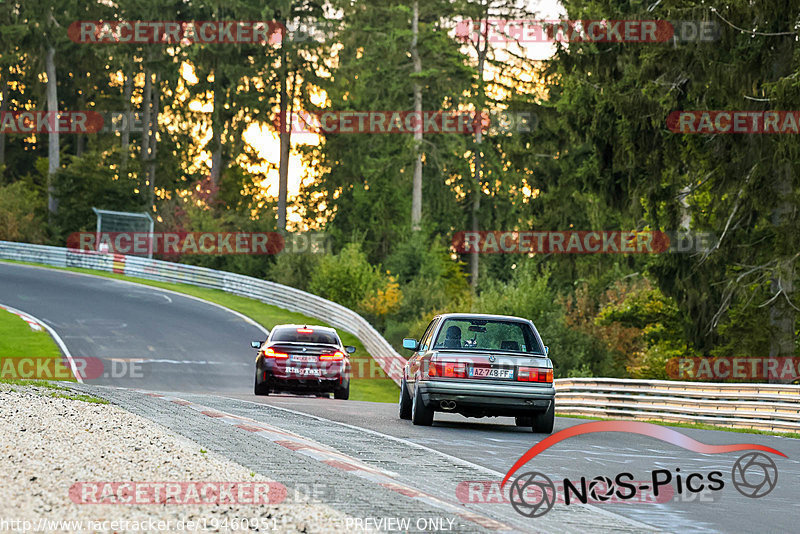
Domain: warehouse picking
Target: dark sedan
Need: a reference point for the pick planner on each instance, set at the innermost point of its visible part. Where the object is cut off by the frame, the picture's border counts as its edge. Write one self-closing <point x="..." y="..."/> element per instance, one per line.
<point x="303" y="359"/>
<point x="479" y="366"/>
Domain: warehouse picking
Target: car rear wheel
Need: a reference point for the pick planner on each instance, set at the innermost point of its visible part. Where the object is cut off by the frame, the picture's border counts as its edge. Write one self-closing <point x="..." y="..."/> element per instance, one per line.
<point x="543" y="422"/>
<point x="405" y="401"/>
<point x="524" y="420"/>
<point x="342" y="392"/>
<point x="260" y="388"/>
<point x="420" y="414"/>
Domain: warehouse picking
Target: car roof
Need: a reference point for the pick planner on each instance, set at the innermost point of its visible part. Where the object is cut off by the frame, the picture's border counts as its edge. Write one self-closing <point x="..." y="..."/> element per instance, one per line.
<point x="481" y="316"/>
<point x="312" y="326"/>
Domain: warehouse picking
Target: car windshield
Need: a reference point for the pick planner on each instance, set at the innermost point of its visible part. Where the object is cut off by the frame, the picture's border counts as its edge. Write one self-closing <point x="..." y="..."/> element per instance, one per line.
<point x="303" y="335"/>
<point x="487" y="334"/>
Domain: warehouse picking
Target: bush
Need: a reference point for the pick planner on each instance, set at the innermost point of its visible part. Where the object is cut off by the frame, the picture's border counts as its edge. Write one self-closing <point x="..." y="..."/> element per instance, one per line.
<point x="349" y="279"/>
<point x="20" y="213"/>
<point x="294" y="270"/>
<point x="529" y="295"/>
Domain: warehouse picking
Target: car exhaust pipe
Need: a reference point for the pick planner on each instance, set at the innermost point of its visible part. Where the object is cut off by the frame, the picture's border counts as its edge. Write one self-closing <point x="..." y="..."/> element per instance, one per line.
<point x="448" y="405"/>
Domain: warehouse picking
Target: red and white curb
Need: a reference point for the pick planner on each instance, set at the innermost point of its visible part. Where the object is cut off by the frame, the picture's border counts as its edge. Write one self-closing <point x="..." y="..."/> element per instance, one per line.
<point x="331" y="457"/>
<point x="37" y="325"/>
<point x="32" y="321"/>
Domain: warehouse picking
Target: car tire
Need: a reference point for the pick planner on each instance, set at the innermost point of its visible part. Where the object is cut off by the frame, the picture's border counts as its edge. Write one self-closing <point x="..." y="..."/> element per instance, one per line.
<point x="420" y="414"/>
<point x="405" y="401"/>
<point x="261" y="388"/>
<point x="342" y="392"/>
<point x="543" y="422"/>
<point x="524" y="420"/>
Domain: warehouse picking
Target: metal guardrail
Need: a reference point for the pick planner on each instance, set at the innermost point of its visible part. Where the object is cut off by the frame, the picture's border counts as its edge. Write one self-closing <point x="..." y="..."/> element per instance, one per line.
<point x="271" y="293"/>
<point x="773" y="407"/>
<point x="757" y="406"/>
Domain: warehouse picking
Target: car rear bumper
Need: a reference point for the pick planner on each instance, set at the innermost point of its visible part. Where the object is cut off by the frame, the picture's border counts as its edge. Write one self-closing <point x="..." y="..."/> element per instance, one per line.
<point x="491" y="398"/>
<point x="277" y="379"/>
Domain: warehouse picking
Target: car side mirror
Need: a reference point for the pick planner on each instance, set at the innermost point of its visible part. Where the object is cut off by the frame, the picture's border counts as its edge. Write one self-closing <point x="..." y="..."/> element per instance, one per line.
<point x="349" y="349"/>
<point x="255" y="344"/>
<point x="410" y="344"/>
<point x="546" y="350"/>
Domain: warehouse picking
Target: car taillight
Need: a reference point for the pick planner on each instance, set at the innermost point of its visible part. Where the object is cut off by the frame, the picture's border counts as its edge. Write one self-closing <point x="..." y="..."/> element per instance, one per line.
<point x="338" y="355"/>
<point x="534" y="374"/>
<point x="270" y="353"/>
<point x="448" y="369"/>
<point x="305" y="331"/>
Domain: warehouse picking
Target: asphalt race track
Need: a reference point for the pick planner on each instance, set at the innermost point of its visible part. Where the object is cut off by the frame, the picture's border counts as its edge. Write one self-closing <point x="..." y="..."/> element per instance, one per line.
<point x="201" y="352"/>
<point x="146" y="337"/>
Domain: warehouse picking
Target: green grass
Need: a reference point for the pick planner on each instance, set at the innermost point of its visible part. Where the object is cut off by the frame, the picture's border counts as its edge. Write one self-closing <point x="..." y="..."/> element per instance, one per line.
<point x="380" y="389"/>
<point x="17" y="340"/>
<point x="37" y="383"/>
<point x="58" y="392"/>
<point x="79" y="397"/>
<point x="696" y="426"/>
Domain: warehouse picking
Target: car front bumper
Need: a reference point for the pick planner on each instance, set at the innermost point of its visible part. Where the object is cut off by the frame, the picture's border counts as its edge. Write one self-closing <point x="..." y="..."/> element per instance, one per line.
<point x="491" y="397"/>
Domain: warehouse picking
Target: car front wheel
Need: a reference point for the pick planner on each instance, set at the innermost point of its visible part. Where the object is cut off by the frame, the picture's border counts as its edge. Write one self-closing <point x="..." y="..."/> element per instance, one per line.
<point x="420" y="414"/>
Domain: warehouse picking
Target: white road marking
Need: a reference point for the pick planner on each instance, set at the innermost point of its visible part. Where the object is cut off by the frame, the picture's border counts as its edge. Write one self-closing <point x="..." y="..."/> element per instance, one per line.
<point x="162" y="290"/>
<point x="453" y="459"/>
<point x="334" y="458"/>
<point x="56" y="338"/>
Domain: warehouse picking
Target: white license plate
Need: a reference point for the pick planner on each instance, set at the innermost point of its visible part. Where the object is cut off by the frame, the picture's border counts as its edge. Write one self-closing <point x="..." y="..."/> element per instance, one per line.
<point x="302" y="358"/>
<point x="304" y="371"/>
<point x="484" y="372"/>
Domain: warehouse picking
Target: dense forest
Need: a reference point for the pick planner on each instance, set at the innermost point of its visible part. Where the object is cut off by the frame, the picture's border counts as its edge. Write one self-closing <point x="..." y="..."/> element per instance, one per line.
<point x="598" y="154"/>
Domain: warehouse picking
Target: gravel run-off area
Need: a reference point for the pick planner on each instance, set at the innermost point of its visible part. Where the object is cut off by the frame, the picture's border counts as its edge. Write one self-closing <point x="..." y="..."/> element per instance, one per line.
<point x="49" y="443"/>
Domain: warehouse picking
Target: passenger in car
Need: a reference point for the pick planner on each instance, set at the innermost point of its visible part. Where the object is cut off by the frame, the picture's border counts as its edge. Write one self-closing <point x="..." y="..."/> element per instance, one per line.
<point x="452" y="338"/>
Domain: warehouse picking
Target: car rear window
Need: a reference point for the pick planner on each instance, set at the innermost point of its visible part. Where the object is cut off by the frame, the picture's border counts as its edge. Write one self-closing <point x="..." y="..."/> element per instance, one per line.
<point x="487" y="334"/>
<point x="300" y="335"/>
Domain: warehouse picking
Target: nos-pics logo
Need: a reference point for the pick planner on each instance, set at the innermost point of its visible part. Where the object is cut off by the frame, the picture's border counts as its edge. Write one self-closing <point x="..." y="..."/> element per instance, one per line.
<point x="533" y="494"/>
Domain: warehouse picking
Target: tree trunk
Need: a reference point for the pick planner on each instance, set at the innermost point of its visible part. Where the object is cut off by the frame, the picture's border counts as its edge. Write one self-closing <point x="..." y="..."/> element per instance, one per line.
<point x="127" y="91"/>
<point x="285" y="138"/>
<point x="80" y="139"/>
<point x="685" y="223"/>
<point x="3" y="109"/>
<point x="153" y="127"/>
<point x="481" y="49"/>
<point x="147" y="97"/>
<point x="53" y="150"/>
<point x="474" y="263"/>
<point x="416" y="190"/>
<point x="782" y="316"/>
<point x="216" y="131"/>
<point x="144" y="154"/>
